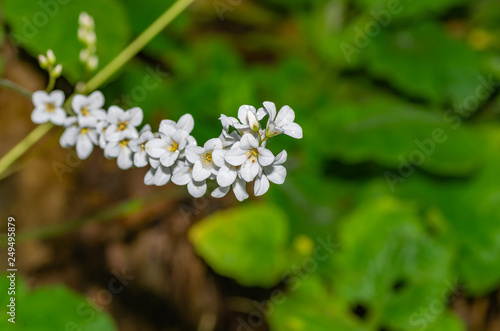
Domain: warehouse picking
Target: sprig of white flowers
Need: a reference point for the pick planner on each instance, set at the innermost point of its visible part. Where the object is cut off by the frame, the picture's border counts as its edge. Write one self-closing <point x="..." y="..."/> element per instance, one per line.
<point x="237" y="157"/>
<point x="87" y="36"/>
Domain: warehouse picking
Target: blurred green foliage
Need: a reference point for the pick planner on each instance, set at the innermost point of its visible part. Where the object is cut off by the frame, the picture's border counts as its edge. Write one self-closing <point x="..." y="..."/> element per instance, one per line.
<point x="49" y="308"/>
<point x="415" y="211"/>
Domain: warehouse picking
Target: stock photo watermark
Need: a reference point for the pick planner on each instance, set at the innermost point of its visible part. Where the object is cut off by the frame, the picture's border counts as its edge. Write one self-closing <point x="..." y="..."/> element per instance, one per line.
<point x="103" y="298"/>
<point x="223" y="6"/>
<point x="426" y="147"/>
<point x="428" y="314"/>
<point x="31" y="25"/>
<point x="372" y="29"/>
<point x="292" y="278"/>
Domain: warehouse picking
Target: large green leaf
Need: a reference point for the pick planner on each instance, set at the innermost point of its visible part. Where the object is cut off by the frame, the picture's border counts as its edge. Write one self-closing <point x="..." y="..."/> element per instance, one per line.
<point x="247" y="243"/>
<point x="38" y="26"/>
<point x="50" y="308"/>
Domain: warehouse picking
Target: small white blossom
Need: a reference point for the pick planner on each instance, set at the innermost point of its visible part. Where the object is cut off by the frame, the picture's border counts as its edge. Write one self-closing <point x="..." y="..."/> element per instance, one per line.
<point x="158" y="175"/>
<point x="183" y="175"/>
<point x="239" y="190"/>
<point x="201" y="158"/>
<point x="174" y="137"/>
<point x="123" y="124"/>
<point x="83" y="138"/>
<point x="89" y="109"/>
<point x="250" y="156"/>
<point x="120" y="150"/>
<point x="248" y="119"/>
<point x="138" y="146"/>
<point x="48" y="107"/>
<point x="274" y="172"/>
<point x="281" y="123"/>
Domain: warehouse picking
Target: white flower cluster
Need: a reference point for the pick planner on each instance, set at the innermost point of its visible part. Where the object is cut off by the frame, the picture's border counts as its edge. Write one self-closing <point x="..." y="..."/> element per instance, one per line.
<point x="237" y="157"/>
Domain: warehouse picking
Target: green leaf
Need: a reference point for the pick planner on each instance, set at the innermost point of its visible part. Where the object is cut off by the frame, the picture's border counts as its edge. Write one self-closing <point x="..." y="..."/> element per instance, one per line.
<point x="40" y="26"/>
<point x="390" y="265"/>
<point x="308" y="308"/>
<point x="247" y="243"/>
<point x="49" y="308"/>
<point x="402" y="58"/>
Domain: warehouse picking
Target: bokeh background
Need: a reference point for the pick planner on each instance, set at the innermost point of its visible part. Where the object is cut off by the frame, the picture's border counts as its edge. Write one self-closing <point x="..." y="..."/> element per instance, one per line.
<point x="390" y="216"/>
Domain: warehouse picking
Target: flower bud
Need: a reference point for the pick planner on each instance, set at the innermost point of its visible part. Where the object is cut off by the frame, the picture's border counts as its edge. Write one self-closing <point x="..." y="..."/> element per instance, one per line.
<point x="51" y="58"/>
<point x="42" y="60"/>
<point x="84" y="55"/>
<point x="253" y="121"/>
<point x="92" y="62"/>
<point x="56" y="72"/>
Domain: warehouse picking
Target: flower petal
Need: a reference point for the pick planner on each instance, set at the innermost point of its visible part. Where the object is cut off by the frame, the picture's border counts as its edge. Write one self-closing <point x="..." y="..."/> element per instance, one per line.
<point x="84" y="146"/>
<point x="112" y="149"/>
<point x="276" y="174"/>
<point x="125" y="160"/>
<point x="39" y="98"/>
<point x="136" y="116"/>
<point x="239" y="189"/>
<point x="58" y="117"/>
<point x="220" y="192"/>
<point x="248" y="141"/>
<point x="270" y="109"/>
<point x="249" y="170"/>
<point x="149" y="177"/>
<point x="261" y="185"/>
<point x="114" y="114"/>
<point x="236" y="156"/>
<point x="168" y="158"/>
<point x="95" y="100"/>
<point x="200" y="173"/>
<point x="293" y="130"/>
<point x="156" y="147"/>
<point x="218" y="157"/>
<point x="162" y="176"/>
<point x="57" y="98"/>
<point x="226" y="176"/>
<point x="39" y="115"/>
<point x="285" y="116"/>
<point x="197" y="189"/>
<point x="280" y="158"/>
<point x="265" y="156"/>
<point x="78" y="102"/>
<point x="186" y="123"/>
<point x="140" y="159"/>
<point x="182" y="176"/>
<point x="69" y="136"/>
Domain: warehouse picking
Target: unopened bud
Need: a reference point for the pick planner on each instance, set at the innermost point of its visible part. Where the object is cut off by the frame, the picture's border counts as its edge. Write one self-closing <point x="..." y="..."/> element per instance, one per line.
<point x="253" y="121"/>
<point x="42" y="60"/>
<point x="51" y="58"/>
<point x="93" y="62"/>
<point x="56" y="72"/>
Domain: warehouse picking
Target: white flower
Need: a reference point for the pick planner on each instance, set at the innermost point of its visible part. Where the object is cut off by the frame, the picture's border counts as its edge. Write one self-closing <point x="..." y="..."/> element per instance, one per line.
<point x="239" y="189"/>
<point x="101" y="130"/>
<point x="48" y="107"/>
<point x="228" y="139"/>
<point x="121" y="150"/>
<point x="173" y="139"/>
<point x="201" y="158"/>
<point x="227" y="173"/>
<point x="138" y="146"/>
<point x="274" y="172"/>
<point x="250" y="156"/>
<point x="248" y="119"/>
<point x="183" y="175"/>
<point x="84" y="138"/>
<point x="158" y="175"/>
<point x="283" y="123"/>
<point x="123" y="124"/>
<point x="89" y="109"/>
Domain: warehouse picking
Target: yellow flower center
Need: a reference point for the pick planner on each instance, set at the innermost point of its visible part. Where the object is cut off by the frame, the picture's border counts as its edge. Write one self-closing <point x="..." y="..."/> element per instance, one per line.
<point x="84" y="131"/>
<point x="122" y="125"/>
<point x="207" y="157"/>
<point x="252" y="155"/>
<point x="124" y="143"/>
<point x="173" y="147"/>
<point x="85" y="111"/>
<point x="50" y="107"/>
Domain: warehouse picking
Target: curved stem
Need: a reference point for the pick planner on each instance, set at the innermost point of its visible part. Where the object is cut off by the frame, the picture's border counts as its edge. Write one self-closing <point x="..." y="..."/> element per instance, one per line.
<point x="138" y="44"/>
<point x="13" y="86"/>
<point x="103" y="75"/>
<point x="24" y="145"/>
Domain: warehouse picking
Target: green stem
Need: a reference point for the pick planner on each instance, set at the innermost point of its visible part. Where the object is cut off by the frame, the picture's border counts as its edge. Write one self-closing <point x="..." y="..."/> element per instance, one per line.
<point x="103" y="75"/>
<point x="138" y="44"/>
<point x="24" y="145"/>
<point x="13" y="86"/>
